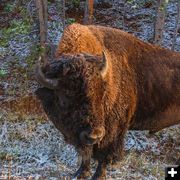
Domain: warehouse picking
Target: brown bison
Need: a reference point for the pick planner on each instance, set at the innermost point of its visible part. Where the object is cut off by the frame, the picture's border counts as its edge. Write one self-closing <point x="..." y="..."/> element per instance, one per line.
<point x="103" y="82"/>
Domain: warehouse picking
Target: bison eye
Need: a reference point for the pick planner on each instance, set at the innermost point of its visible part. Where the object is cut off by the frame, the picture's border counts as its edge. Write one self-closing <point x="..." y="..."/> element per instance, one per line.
<point x="64" y="102"/>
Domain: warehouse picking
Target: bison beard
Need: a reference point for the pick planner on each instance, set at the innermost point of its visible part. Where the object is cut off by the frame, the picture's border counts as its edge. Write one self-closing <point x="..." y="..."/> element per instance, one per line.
<point x="104" y="82"/>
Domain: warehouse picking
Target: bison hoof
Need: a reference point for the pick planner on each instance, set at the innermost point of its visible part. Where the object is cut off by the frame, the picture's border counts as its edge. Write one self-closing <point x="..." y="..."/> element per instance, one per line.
<point x="95" y="177"/>
<point x="82" y="174"/>
<point x="99" y="175"/>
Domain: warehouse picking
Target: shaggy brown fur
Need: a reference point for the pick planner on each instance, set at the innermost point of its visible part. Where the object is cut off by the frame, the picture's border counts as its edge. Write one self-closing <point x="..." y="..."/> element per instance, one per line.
<point x="140" y="89"/>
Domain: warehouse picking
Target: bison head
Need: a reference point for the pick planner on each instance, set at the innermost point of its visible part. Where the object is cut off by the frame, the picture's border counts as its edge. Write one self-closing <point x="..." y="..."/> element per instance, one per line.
<point x="77" y="84"/>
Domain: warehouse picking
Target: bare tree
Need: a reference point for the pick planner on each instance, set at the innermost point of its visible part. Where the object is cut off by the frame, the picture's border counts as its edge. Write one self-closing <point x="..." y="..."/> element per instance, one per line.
<point x="88" y="13"/>
<point x="41" y="6"/>
<point x="124" y="14"/>
<point x="176" y="26"/>
<point x="63" y="13"/>
<point x="159" y="21"/>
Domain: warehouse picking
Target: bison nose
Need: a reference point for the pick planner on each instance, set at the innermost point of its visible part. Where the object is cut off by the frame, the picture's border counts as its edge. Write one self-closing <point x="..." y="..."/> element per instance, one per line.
<point x="93" y="137"/>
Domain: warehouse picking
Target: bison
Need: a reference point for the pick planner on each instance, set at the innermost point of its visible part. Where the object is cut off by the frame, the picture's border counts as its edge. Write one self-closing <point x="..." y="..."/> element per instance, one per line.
<point x="103" y="82"/>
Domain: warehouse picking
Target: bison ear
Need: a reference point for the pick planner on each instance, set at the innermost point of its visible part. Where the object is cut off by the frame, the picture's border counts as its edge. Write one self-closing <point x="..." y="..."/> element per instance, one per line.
<point x="103" y="65"/>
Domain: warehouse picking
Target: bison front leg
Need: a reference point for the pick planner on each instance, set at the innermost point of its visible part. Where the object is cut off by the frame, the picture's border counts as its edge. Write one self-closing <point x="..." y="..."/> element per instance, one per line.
<point x="84" y="170"/>
<point x="100" y="173"/>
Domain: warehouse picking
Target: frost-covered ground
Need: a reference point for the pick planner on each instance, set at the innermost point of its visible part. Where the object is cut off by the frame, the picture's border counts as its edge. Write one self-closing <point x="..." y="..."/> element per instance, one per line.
<point x="31" y="148"/>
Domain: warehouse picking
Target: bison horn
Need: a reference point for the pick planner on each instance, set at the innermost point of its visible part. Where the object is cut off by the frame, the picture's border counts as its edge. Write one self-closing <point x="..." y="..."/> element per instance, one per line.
<point x="104" y="65"/>
<point x="49" y="83"/>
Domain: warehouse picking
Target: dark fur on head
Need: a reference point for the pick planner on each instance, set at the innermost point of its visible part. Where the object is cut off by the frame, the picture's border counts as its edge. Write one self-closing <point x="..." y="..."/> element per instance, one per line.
<point x="77" y="102"/>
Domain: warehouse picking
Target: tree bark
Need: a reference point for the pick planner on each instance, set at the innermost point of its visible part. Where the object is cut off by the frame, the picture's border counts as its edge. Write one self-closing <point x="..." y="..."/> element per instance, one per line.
<point x="159" y="21"/>
<point x="176" y="26"/>
<point x="42" y="14"/>
<point x="63" y="13"/>
<point x="124" y="14"/>
<point x="88" y="13"/>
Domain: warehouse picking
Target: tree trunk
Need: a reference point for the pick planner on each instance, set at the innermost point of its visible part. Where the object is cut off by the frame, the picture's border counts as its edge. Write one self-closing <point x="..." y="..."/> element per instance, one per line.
<point x="124" y="14"/>
<point x="42" y="14"/>
<point x="88" y="13"/>
<point x="159" y="21"/>
<point x="176" y="26"/>
<point x="63" y="13"/>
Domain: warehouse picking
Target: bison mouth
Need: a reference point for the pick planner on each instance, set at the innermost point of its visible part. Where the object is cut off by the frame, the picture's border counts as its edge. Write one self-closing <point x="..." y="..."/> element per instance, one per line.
<point x="93" y="137"/>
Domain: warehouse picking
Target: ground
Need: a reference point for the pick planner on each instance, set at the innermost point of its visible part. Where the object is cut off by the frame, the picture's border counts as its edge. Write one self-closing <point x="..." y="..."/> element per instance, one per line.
<point x="30" y="146"/>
